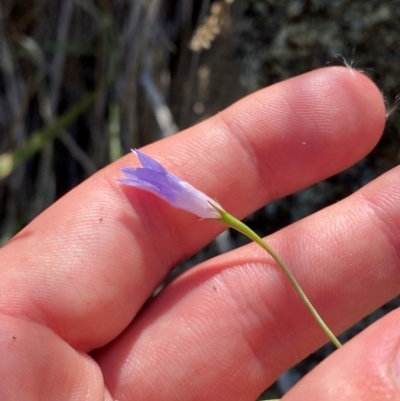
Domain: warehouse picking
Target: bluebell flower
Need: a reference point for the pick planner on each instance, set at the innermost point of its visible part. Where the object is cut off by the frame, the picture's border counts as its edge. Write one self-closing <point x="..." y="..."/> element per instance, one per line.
<point x="154" y="178"/>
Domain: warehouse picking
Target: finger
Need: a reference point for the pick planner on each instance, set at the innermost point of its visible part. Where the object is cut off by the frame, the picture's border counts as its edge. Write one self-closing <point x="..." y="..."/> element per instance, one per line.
<point x="367" y="368"/>
<point x="36" y="364"/>
<point x="228" y="328"/>
<point x="95" y="256"/>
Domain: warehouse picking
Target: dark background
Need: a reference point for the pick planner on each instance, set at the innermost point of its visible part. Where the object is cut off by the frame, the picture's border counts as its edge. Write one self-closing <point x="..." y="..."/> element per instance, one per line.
<point x="83" y="81"/>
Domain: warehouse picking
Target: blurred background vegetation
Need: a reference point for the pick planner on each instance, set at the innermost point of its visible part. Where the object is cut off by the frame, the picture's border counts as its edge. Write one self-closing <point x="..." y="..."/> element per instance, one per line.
<point x="83" y="81"/>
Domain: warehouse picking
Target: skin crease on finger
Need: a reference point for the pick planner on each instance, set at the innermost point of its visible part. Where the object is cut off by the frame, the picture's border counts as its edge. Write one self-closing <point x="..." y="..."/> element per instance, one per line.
<point x="86" y="266"/>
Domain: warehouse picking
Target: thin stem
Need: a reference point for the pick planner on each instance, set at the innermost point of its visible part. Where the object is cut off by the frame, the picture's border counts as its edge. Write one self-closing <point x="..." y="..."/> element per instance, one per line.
<point x="236" y="224"/>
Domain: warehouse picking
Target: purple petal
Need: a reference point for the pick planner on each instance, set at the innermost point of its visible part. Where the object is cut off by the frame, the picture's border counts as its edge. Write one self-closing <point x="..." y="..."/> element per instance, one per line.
<point x="154" y="178"/>
<point x="148" y="162"/>
<point x="196" y="202"/>
<point x="164" y="185"/>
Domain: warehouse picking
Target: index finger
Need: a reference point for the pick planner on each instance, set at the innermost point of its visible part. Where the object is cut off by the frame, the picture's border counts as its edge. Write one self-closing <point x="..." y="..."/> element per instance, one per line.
<point x="86" y="265"/>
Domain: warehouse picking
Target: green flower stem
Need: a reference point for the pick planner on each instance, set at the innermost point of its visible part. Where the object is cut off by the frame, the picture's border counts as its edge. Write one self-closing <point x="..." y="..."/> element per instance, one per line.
<point x="236" y="224"/>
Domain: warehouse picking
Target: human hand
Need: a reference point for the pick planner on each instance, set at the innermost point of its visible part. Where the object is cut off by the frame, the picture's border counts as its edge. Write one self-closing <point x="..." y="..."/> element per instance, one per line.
<point x="75" y="279"/>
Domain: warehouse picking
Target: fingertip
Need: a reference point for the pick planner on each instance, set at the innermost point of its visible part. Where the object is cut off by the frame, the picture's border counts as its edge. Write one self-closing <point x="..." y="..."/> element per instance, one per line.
<point x="345" y="99"/>
<point x="338" y="111"/>
<point x="362" y="97"/>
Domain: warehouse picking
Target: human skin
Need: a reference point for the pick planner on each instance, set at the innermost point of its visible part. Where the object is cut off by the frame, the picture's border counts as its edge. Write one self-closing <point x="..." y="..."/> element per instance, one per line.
<point x="73" y="283"/>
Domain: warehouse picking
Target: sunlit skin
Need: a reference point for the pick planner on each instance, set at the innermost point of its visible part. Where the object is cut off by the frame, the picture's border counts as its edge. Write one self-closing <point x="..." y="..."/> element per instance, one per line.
<point x="73" y="282"/>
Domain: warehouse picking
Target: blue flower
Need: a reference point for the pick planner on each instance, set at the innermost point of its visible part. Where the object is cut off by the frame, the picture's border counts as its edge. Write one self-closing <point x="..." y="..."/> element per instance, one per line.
<point x="154" y="178"/>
